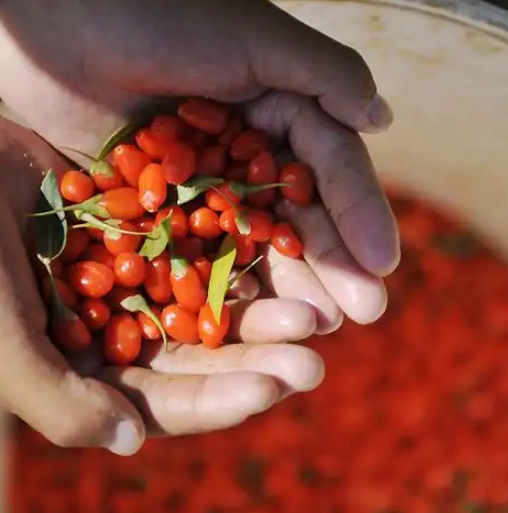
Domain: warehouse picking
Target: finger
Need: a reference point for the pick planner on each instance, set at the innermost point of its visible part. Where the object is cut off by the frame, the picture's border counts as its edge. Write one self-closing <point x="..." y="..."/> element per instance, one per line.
<point x="294" y="279"/>
<point x="297" y="368"/>
<point x="178" y="405"/>
<point x="271" y="321"/>
<point x="245" y="286"/>
<point x="344" y="174"/>
<point x="36" y="383"/>
<point x="360" y="295"/>
<point x="295" y="57"/>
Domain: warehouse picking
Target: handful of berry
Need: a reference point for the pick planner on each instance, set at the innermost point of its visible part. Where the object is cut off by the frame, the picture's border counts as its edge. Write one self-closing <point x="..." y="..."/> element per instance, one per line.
<point x="149" y="242"/>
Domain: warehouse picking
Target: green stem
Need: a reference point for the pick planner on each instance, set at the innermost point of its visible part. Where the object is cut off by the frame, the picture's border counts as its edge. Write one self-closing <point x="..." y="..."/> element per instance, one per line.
<point x="244" y="271"/>
<point x="82" y="153"/>
<point x="85" y="205"/>
<point x="82" y="225"/>
<point x="241" y="189"/>
<point x="92" y="222"/>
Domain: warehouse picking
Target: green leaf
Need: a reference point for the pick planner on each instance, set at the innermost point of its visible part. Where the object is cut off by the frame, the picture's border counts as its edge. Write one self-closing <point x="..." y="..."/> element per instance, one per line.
<point x="50" y="232"/>
<point x="115" y="138"/>
<point x="193" y="187"/>
<point x="219" y="279"/>
<point x="138" y="303"/>
<point x="156" y="243"/>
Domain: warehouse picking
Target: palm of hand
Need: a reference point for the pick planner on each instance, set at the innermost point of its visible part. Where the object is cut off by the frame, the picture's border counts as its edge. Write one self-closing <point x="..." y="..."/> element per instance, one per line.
<point x="187" y="390"/>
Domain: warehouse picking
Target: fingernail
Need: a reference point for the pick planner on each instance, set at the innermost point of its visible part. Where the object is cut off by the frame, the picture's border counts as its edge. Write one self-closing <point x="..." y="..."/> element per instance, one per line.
<point x="379" y="112"/>
<point x="126" y="439"/>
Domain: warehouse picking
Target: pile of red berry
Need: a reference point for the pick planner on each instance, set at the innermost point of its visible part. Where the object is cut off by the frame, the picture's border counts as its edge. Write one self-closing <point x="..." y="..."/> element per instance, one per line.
<point x="148" y="242"/>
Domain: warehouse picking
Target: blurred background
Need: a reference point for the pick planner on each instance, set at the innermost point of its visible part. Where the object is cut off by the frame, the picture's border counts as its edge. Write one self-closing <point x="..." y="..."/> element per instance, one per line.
<point x="413" y="414"/>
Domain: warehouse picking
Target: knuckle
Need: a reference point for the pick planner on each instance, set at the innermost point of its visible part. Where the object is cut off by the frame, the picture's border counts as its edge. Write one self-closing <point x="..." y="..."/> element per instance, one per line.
<point x="278" y="110"/>
<point x="330" y="255"/>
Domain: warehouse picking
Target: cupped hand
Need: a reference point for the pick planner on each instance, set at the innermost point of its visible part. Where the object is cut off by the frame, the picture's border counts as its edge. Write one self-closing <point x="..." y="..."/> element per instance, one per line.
<point x="76" y="70"/>
<point x="80" y="401"/>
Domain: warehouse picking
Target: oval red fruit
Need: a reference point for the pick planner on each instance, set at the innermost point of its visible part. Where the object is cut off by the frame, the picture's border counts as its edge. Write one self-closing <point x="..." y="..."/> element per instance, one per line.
<point x="76" y="187"/>
<point x="152" y="188"/>
<point x="211" y="333"/>
<point x="180" y="324"/>
<point x="285" y="241"/>
<point x="122" y="339"/>
<point x="95" y="313"/>
<point x="91" y="279"/>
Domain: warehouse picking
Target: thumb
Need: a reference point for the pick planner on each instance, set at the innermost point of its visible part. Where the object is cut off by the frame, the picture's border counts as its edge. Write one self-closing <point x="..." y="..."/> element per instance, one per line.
<point x="292" y="56"/>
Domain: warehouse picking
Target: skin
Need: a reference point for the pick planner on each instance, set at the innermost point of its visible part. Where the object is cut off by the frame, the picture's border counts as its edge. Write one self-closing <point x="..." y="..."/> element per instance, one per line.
<point x="97" y="63"/>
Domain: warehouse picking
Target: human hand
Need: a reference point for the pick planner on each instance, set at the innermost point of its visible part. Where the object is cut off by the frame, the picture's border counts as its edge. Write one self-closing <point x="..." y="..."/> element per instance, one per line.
<point x="95" y="63"/>
<point x="77" y="402"/>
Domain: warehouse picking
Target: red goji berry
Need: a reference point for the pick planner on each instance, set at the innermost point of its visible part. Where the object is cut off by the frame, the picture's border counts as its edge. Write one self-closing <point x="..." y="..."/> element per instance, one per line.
<point x="204" y="223"/>
<point x="205" y="115"/>
<point x="179" y="163"/>
<point x="91" y="279"/>
<point x="300" y="183"/>
<point x="130" y="161"/>
<point x="122" y="203"/>
<point x="95" y="313"/>
<point x="152" y="188"/>
<point x="259" y="223"/>
<point x="117" y="243"/>
<point x="179" y="222"/>
<point x="122" y="339"/>
<point x="149" y="330"/>
<point x="245" y="250"/>
<point x="222" y="198"/>
<point x="210" y="333"/>
<point x="180" y="324"/>
<point x="76" y="187"/>
<point x="129" y="269"/>
<point x="262" y="170"/>
<point x="187" y="287"/>
<point x="152" y="145"/>
<point x="204" y="268"/>
<point x="285" y="241"/>
<point x="157" y="279"/>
